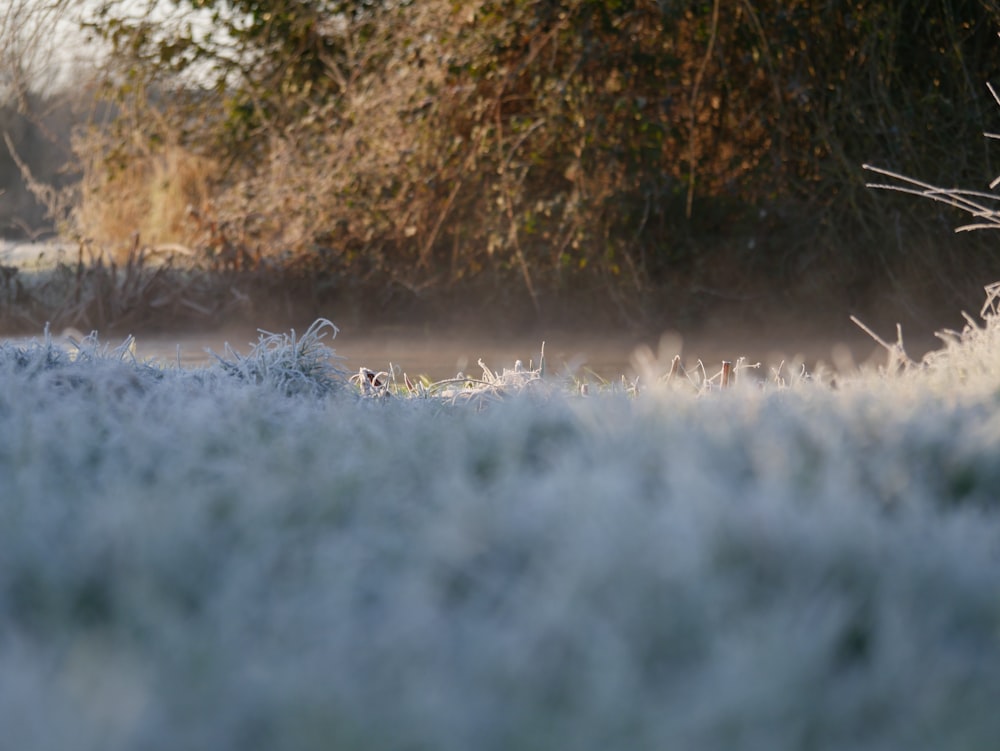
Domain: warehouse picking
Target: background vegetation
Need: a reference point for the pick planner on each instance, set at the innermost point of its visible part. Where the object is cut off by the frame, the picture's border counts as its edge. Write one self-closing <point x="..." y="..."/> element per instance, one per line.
<point x="36" y="111"/>
<point x="661" y="157"/>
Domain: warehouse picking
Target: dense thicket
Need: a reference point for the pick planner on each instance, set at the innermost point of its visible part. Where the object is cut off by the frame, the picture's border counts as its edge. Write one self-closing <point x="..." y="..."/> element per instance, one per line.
<point x="633" y="143"/>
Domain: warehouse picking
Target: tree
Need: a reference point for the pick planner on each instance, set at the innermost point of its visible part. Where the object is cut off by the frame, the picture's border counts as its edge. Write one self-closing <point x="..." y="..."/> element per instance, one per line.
<point x="30" y="32"/>
<point x="269" y="63"/>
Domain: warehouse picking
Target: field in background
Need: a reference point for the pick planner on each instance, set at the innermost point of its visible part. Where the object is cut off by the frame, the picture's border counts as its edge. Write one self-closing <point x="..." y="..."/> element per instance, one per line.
<point x="168" y="305"/>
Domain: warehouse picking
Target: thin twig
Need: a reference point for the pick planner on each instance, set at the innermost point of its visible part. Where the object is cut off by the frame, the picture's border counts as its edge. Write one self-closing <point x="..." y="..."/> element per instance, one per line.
<point x="693" y="134"/>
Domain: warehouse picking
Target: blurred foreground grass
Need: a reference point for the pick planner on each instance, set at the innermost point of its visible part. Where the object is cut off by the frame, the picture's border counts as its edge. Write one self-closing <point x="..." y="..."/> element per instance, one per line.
<point x="266" y="553"/>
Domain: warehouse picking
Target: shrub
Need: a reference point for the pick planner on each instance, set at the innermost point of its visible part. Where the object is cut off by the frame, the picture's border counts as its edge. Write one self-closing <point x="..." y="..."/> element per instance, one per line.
<point x="562" y="144"/>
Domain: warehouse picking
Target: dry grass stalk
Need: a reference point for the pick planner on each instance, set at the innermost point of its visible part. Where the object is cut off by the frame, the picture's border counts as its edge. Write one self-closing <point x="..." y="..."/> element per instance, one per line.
<point x="150" y="192"/>
<point x="675" y="368"/>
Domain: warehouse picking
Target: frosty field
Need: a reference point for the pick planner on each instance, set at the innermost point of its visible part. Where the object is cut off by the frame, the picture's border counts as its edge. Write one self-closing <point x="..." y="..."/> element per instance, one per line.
<point x="262" y="554"/>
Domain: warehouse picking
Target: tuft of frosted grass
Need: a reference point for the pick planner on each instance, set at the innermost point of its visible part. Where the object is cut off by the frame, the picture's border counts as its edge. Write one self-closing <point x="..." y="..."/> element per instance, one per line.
<point x="491" y="387"/>
<point x="257" y="555"/>
<point x="292" y="365"/>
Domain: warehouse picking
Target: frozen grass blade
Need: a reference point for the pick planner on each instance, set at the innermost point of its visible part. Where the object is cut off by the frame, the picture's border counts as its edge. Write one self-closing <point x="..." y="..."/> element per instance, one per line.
<point x="977" y="203"/>
<point x="291" y="365"/>
<point x="898" y="359"/>
<point x="970" y="201"/>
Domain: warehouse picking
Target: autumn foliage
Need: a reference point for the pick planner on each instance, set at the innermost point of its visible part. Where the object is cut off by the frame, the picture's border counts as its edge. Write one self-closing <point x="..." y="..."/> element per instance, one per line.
<point x="564" y="146"/>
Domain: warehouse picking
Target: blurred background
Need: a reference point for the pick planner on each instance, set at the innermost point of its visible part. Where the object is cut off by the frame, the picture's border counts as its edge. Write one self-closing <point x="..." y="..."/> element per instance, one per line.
<point x="505" y="167"/>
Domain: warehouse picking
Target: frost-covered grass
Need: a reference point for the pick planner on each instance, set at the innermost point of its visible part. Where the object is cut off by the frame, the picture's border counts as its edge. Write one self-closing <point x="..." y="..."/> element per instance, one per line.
<point x="265" y="554"/>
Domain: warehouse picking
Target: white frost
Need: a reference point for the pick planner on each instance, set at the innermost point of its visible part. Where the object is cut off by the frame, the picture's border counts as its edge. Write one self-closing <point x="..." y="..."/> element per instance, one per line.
<point x="262" y="555"/>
